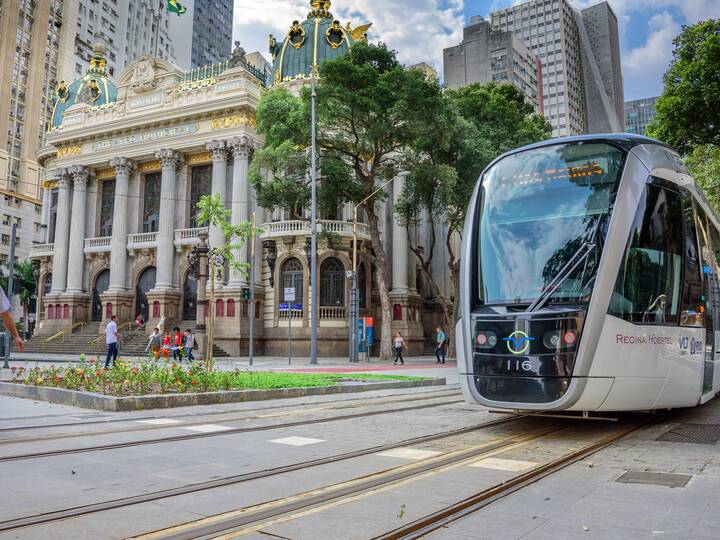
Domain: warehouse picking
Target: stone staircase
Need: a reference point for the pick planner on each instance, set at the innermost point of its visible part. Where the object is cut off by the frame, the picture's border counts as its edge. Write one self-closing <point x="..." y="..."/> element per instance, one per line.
<point x="91" y="342"/>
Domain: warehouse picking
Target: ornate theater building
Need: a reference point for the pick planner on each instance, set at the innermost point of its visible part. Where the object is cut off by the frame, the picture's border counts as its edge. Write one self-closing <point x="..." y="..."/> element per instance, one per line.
<point x="126" y="162"/>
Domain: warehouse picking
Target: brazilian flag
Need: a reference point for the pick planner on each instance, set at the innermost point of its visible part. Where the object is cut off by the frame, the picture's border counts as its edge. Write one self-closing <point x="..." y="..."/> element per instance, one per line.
<point x="173" y="6"/>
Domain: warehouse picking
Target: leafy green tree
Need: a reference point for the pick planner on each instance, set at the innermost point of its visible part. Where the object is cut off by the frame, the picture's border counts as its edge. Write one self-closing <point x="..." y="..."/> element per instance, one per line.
<point x="24" y="283"/>
<point x="704" y="165"/>
<point x="373" y="114"/>
<point x="483" y="121"/>
<point x="688" y="112"/>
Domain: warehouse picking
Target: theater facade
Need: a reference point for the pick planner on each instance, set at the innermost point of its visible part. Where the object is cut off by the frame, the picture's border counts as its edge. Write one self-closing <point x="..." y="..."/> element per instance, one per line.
<point x="125" y="164"/>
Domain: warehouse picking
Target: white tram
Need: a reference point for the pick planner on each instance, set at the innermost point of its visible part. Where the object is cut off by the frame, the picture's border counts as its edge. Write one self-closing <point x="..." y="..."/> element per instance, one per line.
<point x="590" y="280"/>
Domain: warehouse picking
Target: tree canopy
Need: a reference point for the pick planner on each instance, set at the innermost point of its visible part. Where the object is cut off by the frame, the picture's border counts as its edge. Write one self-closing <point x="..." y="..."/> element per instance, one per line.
<point x="688" y="112"/>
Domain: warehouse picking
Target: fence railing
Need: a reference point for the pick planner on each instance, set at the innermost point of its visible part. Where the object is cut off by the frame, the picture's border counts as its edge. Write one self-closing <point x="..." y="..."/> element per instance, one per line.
<point x="296" y="314"/>
<point x="142" y="240"/>
<point x="299" y="227"/>
<point x="42" y="250"/>
<point x="332" y="313"/>
<point x="98" y="244"/>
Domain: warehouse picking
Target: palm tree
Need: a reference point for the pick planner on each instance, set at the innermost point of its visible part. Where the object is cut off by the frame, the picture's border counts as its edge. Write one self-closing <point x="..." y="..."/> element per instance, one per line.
<point x="26" y="284"/>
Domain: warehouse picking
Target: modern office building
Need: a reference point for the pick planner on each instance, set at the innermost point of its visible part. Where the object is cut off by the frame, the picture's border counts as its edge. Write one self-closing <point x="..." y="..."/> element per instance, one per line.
<point x="427" y="70"/>
<point x="575" y="49"/>
<point x="31" y="38"/>
<point x="600" y="46"/>
<point x="488" y="54"/>
<point x="128" y="29"/>
<point x="638" y="114"/>
<point x="203" y="35"/>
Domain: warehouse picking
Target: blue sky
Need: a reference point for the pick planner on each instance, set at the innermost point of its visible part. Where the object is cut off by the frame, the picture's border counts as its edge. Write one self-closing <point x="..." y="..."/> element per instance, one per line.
<point x="420" y="29"/>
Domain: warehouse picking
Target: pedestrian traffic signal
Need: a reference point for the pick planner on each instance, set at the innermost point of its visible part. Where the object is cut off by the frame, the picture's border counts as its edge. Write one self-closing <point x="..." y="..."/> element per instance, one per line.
<point x="246" y="294"/>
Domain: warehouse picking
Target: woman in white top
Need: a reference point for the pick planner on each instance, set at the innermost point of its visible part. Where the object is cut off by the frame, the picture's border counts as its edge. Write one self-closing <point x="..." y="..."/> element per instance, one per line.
<point x="398" y="345"/>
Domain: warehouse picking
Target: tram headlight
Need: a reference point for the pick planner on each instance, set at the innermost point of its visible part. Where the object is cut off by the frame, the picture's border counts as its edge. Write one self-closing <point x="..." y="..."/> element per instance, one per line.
<point x="486" y="340"/>
<point x="559" y="339"/>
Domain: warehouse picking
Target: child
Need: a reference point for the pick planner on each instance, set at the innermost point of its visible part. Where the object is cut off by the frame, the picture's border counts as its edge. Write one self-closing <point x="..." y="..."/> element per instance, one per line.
<point x="155" y="341"/>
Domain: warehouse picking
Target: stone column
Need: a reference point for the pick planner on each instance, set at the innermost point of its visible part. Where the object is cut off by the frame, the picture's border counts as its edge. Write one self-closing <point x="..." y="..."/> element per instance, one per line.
<point x="76" y="262"/>
<point x="62" y="235"/>
<point x="399" y="244"/>
<point x="241" y="148"/>
<point x="219" y="183"/>
<point x="118" y="254"/>
<point x="45" y="216"/>
<point x="169" y="160"/>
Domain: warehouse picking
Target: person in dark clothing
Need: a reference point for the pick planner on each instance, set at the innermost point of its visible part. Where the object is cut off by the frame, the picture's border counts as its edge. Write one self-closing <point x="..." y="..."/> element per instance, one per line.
<point x="398" y="345"/>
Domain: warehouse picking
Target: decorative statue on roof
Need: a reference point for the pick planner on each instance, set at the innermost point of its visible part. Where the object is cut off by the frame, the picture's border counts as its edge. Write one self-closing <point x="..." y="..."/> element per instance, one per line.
<point x="238" y="56"/>
<point x="273" y="46"/>
<point x="143" y="77"/>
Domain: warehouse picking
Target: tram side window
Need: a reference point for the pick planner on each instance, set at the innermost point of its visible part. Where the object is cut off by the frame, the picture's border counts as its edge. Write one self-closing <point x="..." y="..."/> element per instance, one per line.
<point x="649" y="285"/>
<point x="693" y="308"/>
<point x="714" y="283"/>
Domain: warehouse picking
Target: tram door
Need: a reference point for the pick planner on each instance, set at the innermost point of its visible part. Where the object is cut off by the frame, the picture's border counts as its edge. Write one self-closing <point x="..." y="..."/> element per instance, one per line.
<point x="710" y="252"/>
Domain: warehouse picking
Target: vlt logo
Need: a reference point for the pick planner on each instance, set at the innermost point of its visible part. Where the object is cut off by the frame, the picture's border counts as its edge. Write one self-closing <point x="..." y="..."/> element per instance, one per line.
<point x="518" y="342"/>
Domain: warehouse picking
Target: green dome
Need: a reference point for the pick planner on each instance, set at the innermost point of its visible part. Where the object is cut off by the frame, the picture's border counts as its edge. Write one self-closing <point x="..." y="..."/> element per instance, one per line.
<point x="310" y="42"/>
<point x="94" y="88"/>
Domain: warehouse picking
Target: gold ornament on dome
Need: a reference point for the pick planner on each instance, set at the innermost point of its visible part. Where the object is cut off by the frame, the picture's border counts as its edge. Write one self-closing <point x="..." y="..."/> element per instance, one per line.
<point x="296" y="35"/>
<point x="359" y="33"/>
<point x="62" y="92"/>
<point x="335" y="35"/>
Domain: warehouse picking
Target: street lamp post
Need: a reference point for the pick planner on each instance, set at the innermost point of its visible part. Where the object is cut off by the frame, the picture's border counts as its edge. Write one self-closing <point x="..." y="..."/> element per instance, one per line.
<point x="198" y="259"/>
<point x="354" y="304"/>
<point x="313" y="226"/>
<point x="251" y="336"/>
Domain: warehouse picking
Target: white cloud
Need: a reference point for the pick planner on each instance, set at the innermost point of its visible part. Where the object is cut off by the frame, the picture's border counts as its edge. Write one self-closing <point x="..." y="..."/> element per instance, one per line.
<point x="417" y="29"/>
<point x="643" y="65"/>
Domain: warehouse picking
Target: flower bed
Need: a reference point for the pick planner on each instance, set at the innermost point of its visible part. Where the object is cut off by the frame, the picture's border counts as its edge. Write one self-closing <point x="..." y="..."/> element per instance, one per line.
<point x="131" y="379"/>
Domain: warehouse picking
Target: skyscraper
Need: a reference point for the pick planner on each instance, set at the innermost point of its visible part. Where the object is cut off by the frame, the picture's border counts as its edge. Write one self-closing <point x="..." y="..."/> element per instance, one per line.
<point x="638" y="115"/>
<point x="600" y="45"/>
<point x="128" y="29"/>
<point x="31" y="38"/>
<point x="488" y="55"/>
<point x="576" y="49"/>
<point x="209" y="22"/>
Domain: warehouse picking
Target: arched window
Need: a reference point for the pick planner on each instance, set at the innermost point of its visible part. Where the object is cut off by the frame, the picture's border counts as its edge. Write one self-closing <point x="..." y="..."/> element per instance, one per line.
<point x="51" y="312"/>
<point x="332" y="283"/>
<point x="146" y="282"/>
<point x="102" y="282"/>
<point x="291" y="276"/>
<point x="362" y="285"/>
<point x="231" y="308"/>
<point x="219" y="308"/>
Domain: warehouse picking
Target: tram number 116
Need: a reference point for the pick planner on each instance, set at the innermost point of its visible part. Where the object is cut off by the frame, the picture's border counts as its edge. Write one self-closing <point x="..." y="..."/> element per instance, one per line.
<point x="519" y="365"/>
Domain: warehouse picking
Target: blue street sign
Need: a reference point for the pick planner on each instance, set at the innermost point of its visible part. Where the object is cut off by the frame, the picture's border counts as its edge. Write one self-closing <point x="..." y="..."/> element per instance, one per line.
<point x="297" y="307"/>
<point x="369" y="335"/>
<point x="284" y="307"/>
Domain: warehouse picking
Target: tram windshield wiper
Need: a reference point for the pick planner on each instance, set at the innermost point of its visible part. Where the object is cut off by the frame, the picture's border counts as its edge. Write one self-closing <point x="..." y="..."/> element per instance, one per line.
<point x="577" y="258"/>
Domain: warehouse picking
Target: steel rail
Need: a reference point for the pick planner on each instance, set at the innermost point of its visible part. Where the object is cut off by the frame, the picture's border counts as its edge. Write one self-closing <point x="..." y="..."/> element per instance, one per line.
<point x="232" y="431"/>
<point x="231" y="522"/>
<point x="442" y="518"/>
<point x="77" y="511"/>
<point x="207" y="416"/>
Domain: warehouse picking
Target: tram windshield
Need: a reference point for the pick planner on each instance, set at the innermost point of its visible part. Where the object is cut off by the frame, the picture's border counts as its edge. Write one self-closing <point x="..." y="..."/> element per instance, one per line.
<point x="543" y="218"/>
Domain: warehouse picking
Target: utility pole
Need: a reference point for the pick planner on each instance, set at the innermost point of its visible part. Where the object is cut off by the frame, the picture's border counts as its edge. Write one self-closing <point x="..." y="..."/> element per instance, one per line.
<point x="11" y="289"/>
<point x="313" y="227"/>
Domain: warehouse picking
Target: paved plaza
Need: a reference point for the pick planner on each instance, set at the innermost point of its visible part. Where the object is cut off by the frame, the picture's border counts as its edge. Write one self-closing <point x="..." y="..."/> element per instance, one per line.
<point x="249" y="461"/>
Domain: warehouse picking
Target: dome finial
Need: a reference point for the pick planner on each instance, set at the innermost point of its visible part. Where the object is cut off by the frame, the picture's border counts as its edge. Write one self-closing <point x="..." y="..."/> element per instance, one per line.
<point x="97" y="60"/>
<point x="320" y="8"/>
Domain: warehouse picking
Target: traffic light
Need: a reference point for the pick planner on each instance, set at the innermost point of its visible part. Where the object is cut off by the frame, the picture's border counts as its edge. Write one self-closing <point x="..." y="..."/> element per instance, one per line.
<point x="246" y="294"/>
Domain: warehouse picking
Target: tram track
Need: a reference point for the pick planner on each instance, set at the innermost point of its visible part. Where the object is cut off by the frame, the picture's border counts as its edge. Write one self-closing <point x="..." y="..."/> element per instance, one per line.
<point x="202" y="435"/>
<point x="208" y="417"/>
<point x="109" y="420"/>
<point x="73" y="512"/>
<point x="428" y="524"/>
<point x="254" y="518"/>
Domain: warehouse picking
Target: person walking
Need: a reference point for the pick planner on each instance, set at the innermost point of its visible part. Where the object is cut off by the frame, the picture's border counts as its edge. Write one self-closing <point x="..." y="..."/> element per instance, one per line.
<point x="440" y="345"/>
<point x="189" y="344"/>
<point x="111" y="340"/>
<point x="398" y="345"/>
<point x="6" y="316"/>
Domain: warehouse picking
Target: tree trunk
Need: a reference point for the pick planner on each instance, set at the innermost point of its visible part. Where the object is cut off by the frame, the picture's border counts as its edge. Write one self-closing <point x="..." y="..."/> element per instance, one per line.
<point x="381" y="276"/>
<point x="454" y="268"/>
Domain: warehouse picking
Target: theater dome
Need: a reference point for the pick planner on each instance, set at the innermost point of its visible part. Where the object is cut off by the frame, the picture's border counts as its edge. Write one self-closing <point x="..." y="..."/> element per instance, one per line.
<point x="309" y="43"/>
<point x="93" y="89"/>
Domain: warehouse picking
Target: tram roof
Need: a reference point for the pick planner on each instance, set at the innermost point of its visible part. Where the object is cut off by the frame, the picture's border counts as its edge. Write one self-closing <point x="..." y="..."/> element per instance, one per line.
<point x="627" y="140"/>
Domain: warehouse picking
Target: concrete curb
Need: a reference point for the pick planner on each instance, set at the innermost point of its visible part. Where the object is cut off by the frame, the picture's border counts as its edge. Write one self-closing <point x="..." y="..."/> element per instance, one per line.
<point x="87" y="400"/>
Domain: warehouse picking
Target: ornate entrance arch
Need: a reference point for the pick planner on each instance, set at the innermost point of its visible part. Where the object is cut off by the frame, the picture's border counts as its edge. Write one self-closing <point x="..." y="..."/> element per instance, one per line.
<point x="102" y="282"/>
<point x="145" y="283"/>
<point x="189" y="308"/>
